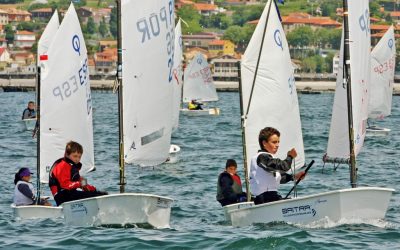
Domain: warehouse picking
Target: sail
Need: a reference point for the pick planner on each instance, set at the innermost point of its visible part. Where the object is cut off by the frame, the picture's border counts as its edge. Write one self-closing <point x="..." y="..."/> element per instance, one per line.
<point x="178" y="75"/>
<point x="66" y="106"/>
<point x="148" y="31"/>
<point x="383" y="61"/>
<point x="360" y="40"/>
<point x="48" y="35"/>
<point x="273" y="101"/>
<point x="199" y="84"/>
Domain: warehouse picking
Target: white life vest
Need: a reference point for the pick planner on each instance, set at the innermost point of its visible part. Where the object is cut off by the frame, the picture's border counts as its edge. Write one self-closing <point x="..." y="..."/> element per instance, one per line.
<point x="260" y="180"/>
<point x="19" y="198"/>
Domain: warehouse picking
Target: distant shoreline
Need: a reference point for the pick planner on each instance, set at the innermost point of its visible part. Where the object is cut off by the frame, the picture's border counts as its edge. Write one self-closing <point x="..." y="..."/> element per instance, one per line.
<point x="306" y="87"/>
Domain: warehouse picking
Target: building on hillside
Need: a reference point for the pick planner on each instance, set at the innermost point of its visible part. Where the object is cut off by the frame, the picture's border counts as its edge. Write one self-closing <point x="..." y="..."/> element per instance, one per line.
<point x="295" y="20"/>
<point x="335" y="64"/>
<point x="3" y="17"/>
<point x="24" y="39"/>
<point x="99" y="14"/>
<point x="105" y="44"/>
<point x="201" y="39"/>
<point x="22" y="58"/>
<point x="3" y="42"/>
<point x="207" y="9"/>
<point x="395" y="15"/>
<point x="84" y="13"/>
<point x="15" y="15"/>
<point x="43" y="13"/>
<point x="225" y="68"/>
<point x="241" y="2"/>
<point x="106" y="61"/>
<point x="4" y="55"/>
<point x="221" y="47"/>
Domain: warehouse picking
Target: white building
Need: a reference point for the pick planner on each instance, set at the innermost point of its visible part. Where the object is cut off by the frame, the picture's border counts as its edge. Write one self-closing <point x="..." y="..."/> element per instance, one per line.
<point x="24" y="39"/>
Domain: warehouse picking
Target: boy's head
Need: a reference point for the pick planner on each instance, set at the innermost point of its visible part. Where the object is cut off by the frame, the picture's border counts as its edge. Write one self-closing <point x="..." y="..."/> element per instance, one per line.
<point x="231" y="166"/>
<point x="74" y="151"/>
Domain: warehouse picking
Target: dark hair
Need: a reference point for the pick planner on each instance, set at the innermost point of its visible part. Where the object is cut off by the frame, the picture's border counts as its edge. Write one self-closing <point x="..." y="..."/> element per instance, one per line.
<point x="73" y="147"/>
<point x="266" y="133"/>
<point x="230" y="162"/>
<point x="31" y="102"/>
<point x="17" y="177"/>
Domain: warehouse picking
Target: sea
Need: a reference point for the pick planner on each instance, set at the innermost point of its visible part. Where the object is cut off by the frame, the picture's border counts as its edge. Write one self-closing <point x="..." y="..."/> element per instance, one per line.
<point x="197" y="220"/>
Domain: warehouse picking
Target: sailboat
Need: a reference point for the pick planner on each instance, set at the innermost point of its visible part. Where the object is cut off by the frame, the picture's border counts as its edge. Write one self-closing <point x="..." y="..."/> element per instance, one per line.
<point x="383" y="61"/>
<point x="199" y="86"/>
<point x="145" y="111"/>
<point x="38" y="211"/>
<point x="267" y="73"/>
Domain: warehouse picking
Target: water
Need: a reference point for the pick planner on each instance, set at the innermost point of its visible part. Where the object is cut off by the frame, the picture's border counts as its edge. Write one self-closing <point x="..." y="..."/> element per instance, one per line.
<point x="197" y="220"/>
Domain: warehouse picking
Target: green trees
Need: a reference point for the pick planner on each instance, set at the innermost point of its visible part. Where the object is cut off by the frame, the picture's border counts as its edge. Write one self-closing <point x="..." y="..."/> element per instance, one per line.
<point x="103" y="29"/>
<point x="192" y="18"/>
<point x="91" y="26"/>
<point x="9" y="33"/>
<point x="113" y="23"/>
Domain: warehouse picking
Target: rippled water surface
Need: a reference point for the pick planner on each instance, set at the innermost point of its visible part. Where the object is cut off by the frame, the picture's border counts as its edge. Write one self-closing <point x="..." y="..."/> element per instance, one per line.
<point x="197" y="221"/>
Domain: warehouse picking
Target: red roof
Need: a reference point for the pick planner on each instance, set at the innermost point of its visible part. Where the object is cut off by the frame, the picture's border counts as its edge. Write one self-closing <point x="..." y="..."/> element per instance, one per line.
<point x="24" y="32"/>
<point x="395" y="14"/>
<point x="304" y="18"/>
<point x="205" y="6"/>
<point x="217" y="42"/>
<point x="2" y="50"/>
<point x="48" y="10"/>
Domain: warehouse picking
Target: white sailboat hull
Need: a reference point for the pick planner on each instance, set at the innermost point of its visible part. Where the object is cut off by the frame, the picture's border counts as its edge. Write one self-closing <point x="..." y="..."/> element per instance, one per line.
<point x="29" y="124"/>
<point x="119" y="209"/>
<point x="36" y="212"/>
<point x="208" y="111"/>
<point x="377" y="131"/>
<point x="174" y="151"/>
<point x="360" y="203"/>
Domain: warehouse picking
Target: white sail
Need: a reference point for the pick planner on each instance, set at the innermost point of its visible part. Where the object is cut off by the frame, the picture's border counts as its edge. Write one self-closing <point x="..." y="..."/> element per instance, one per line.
<point x="383" y="61"/>
<point x="178" y="75"/>
<point x="48" y="35"/>
<point x="148" y="31"/>
<point x="273" y="101"/>
<point x="66" y="106"/>
<point x="360" y="40"/>
<point x="199" y="84"/>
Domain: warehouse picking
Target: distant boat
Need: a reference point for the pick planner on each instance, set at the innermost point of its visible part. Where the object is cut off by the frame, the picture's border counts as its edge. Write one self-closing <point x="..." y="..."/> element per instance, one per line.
<point x="268" y="98"/>
<point x="383" y="64"/>
<point x="29" y="123"/>
<point x="145" y="111"/>
<point x="199" y="85"/>
<point x="38" y="211"/>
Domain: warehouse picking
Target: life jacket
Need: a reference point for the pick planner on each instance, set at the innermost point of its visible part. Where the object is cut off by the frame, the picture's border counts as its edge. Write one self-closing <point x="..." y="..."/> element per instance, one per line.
<point x="73" y="173"/>
<point x="260" y="180"/>
<point x="19" y="198"/>
<point x="236" y="185"/>
<point x="192" y="106"/>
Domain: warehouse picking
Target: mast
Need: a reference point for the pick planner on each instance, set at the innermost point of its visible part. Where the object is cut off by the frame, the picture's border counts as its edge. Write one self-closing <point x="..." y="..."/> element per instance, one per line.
<point x="347" y="82"/>
<point x="244" y="115"/>
<point x="37" y="133"/>
<point x="246" y="172"/>
<point x="122" y="182"/>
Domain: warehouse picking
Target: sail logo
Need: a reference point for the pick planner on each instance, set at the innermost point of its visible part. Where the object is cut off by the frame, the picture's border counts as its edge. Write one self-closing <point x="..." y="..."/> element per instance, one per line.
<point x="79" y="208"/>
<point x="390" y="43"/>
<point x="298" y="211"/>
<point x="291" y="82"/>
<point x="71" y="85"/>
<point x="278" y="38"/>
<point x="363" y="21"/>
<point x="76" y="44"/>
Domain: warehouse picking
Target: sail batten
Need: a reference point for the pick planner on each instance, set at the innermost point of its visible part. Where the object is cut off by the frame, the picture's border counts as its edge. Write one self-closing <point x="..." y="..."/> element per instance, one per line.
<point x="148" y="38"/>
<point x="274" y="101"/>
<point x="177" y="75"/>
